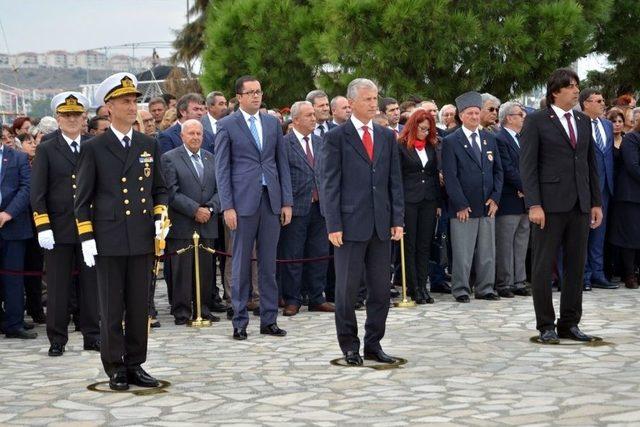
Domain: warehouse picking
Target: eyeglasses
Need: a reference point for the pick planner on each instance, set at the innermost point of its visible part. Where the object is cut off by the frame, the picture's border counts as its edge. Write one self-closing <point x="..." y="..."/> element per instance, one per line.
<point x="252" y="93"/>
<point x="493" y="109"/>
<point x="423" y="129"/>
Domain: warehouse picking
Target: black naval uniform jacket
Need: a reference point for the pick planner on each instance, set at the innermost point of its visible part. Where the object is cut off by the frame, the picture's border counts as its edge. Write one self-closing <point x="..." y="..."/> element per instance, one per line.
<point x="53" y="187"/>
<point x="120" y="193"/>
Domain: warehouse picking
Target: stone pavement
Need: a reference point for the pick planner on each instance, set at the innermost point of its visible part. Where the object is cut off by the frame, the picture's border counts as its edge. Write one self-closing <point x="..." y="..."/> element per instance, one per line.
<point x="468" y="364"/>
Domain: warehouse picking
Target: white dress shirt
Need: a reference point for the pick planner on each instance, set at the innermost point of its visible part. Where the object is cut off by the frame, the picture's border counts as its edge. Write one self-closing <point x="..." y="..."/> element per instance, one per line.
<point x="194" y="161"/>
<point x="468" y="133"/>
<point x="423" y="156"/>
<point x="358" y="125"/>
<point x="563" y="120"/>
<point x="214" y="123"/>
<point x="302" y="142"/>
<point x="69" y="141"/>
<point x="602" y="133"/>
<point x="121" y="135"/>
<point x="257" y="122"/>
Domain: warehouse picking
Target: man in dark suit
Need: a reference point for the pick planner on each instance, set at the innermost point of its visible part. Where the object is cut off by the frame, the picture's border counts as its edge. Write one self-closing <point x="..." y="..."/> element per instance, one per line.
<point x="216" y="109"/>
<point x="306" y="235"/>
<point x="254" y="185"/>
<point x="592" y="104"/>
<point x="512" y="222"/>
<point x="473" y="178"/>
<point x="120" y="200"/>
<point x="561" y="190"/>
<point x="390" y="108"/>
<point x="363" y="204"/>
<point x="190" y="106"/>
<point x="340" y="110"/>
<point x="15" y="230"/>
<point x="320" y="102"/>
<point x="193" y="207"/>
<point x="53" y="187"/>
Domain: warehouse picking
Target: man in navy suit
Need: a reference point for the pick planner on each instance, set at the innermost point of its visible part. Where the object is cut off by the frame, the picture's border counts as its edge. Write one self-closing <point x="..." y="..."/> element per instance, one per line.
<point x="390" y="108"/>
<point x="592" y="104"/>
<point x="216" y="109"/>
<point x="15" y="229"/>
<point x="254" y="185"/>
<point x="306" y="236"/>
<point x="320" y="102"/>
<point x="473" y="178"/>
<point x="512" y="222"/>
<point x="190" y="106"/>
<point x="362" y="199"/>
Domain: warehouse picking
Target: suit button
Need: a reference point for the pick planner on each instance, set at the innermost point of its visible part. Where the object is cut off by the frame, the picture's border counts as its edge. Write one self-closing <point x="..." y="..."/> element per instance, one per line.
<point x="124" y="179"/>
<point x="144" y="211"/>
<point x="374" y="187"/>
<point x="576" y="157"/>
<point x="140" y="178"/>
<point x="423" y="181"/>
<point x="373" y="170"/>
<point x="126" y="201"/>
<point x="141" y="188"/>
<point x="128" y="212"/>
<point x="73" y="176"/>
<point x="125" y="191"/>
<point x="74" y="186"/>
<point x="143" y="200"/>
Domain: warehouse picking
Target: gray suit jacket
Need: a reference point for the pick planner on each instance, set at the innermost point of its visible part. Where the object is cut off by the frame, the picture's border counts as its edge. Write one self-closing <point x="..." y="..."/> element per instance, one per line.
<point x="187" y="193"/>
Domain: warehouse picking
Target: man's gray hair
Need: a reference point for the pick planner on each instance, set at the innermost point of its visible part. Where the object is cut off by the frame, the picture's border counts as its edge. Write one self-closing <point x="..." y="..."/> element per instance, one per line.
<point x="488" y="97"/>
<point x="315" y="94"/>
<point x="191" y="122"/>
<point x="443" y="109"/>
<point x="212" y="97"/>
<point x="506" y="109"/>
<point x="47" y="125"/>
<point x="357" y="84"/>
<point x="295" y="108"/>
<point x="335" y="100"/>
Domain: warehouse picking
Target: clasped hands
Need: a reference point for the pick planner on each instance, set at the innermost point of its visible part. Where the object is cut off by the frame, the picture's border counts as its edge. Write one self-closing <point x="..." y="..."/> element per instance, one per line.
<point x="463" y="214"/>
<point x="336" y="237"/>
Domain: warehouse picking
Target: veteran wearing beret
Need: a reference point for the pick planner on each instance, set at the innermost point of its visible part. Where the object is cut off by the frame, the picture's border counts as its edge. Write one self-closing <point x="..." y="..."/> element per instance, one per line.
<point x="473" y="179"/>
<point x="120" y="198"/>
<point x="53" y="188"/>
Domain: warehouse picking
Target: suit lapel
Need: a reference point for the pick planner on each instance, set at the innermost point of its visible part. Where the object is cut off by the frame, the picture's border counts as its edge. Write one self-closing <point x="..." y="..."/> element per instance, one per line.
<point x="115" y="146"/>
<point x="133" y="154"/>
<point x="466" y="145"/>
<point x="263" y="124"/>
<point x="413" y="154"/>
<point x="208" y="167"/>
<point x="354" y="139"/>
<point x="189" y="164"/>
<point x="65" y="150"/>
<point x="245" y="128"/>
<point x="556" y="121"/>
<point x="378" y="138"/>
<point x="297" y="148"/>
<point x="7" y="157"/>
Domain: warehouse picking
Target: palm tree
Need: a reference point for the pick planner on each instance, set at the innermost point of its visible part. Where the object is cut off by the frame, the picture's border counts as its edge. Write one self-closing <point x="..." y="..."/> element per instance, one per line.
<point x="189" y="42"/>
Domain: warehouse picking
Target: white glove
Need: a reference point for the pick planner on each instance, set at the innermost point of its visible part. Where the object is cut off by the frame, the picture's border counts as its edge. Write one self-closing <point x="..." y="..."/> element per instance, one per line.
<point x="45" y="239"/>
<point x="161" y="234"/>
<point x="89" y="251"/>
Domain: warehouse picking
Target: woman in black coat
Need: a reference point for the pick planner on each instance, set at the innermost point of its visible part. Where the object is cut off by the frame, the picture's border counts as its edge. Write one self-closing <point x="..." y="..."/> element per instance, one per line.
<point x="417" y="143"/>
<point x="625" y="220"/>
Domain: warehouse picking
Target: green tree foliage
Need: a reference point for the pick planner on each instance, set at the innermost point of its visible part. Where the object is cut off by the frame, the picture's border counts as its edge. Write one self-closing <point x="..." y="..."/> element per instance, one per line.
<point x="432" y="48"/>
<point x="261" y="38"/>
<point x="618" y="39"/>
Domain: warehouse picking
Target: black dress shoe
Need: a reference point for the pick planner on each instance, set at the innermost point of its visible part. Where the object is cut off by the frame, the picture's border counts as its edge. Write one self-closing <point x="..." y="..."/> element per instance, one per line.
<point x="39" y="318"/>
<point x="524" y="292"/>
<point x="239" y="334"/>
<point x="505" y="293"/>
<point x="463" y="298"/>
<point x="549" y="337"/>
<point x="217" y="307"/>
<point x="28" y="326"/>
<point x="229" y="313"/>
<point x="92" y="345"/>
<point x="56" y="350"/>
<point x="441" y="288"/>
<point x="155" y="323"/>
<point x="574" y="333"/>
<point x="22" y="334"/>
<point x="379" y="356"/>
<point x="180" y="321"/>
<point x="489" y="297"/>
<point x="138" y="376"/>
<point x="211" y="318"/>
<point x="602" y="283"/>
<point x="273" y="329"/>
<point x="586" y="287"/>
<point x="118" y="381"/>
<point x="353" y="358"/>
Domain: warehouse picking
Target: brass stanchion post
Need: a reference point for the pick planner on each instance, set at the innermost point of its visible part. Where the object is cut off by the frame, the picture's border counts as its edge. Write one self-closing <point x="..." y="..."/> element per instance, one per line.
<point x="406" y="301"/>
<point x="198" y="322"/>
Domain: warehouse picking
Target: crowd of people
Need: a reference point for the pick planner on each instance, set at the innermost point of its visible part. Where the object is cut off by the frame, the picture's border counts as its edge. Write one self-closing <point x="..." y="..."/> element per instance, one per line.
<point x="465" y="214"/>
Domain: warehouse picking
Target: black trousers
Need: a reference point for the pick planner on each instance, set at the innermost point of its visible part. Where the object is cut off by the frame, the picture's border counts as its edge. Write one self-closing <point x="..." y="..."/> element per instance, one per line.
<point x="123" y="291"/>
<point x="350" y="260"/>
<point x="571" y="231"/>
<point x="628" y="257"/>
<point x="61" y="261"/>
<point x="420" y="223"/>
<point x="183" y="279"/>
<point x="33" y="261"/>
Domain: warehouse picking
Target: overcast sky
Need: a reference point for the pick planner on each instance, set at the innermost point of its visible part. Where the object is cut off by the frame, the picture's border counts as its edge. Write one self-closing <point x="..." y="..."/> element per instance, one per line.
<point x="72" y="25"/>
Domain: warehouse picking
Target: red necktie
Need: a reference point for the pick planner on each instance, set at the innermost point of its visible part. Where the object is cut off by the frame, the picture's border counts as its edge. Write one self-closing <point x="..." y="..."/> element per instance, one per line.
<point x="367" y="141"/>
<point x="572" y="133"/>
<point x="311" y="161"/>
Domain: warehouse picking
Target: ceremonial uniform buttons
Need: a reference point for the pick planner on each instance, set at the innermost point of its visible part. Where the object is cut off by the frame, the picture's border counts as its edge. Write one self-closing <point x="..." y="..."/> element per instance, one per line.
<point x="127" y="212"/>
<point x="141" y="188"/>
<point x="140" y="178"/>
<point x="74" y="186"/>
<point x="143" y="200"/>
<point x="144" y="211"/>
<point x="73" y="176"/>
<point x="126" y="201"/>
<point x="124" y="179"/>
<point x="125" y="191"/>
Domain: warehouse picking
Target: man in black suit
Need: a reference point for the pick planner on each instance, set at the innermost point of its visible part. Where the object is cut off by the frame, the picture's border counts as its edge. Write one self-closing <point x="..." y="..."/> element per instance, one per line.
<point x="189" y="174"/>
<point x="361" y="195"/>
<point x="561" y="190"/>
<point x="120" y="200"/>
<point x="306" y="235"/>
<point x="512" y="222"/>
<point x="53" y="187"/>
<point x="320" y="102"/>
<point x="216" y="109"/>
